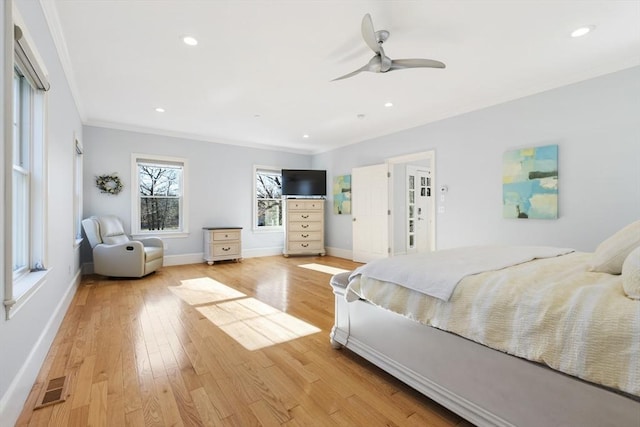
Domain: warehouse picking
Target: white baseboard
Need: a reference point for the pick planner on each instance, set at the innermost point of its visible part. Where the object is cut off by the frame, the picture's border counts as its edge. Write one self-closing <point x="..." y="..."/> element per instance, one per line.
<point x="183" y="259"/>
<point x="196" y="258"/>
<point x="340" y="253"/>
<point x="255" y="253"/>
<point x="13" y="400"/>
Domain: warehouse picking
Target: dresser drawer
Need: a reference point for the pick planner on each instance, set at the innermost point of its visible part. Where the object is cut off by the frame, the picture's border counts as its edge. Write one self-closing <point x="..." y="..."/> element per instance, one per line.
<point x="305" y="216"/>
<point x="305" y="236"/>
<point x="305" y="205"/>
<point x="225" y="235"/>
<point x="305" y="226"/>
<point x="229" y="249"/>
<point x="305" y="246"/>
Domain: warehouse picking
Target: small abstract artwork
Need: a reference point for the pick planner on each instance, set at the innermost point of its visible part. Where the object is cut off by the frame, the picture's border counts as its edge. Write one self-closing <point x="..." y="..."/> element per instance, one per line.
<point x="342" y="195"/>
<point x="530" y="183"/>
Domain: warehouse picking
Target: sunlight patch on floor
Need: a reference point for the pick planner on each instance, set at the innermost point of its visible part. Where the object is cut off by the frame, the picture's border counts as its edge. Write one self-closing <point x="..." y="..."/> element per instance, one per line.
<point x="323" y="268"/>
<point x="249" y="321"/>
<point x="254" y="324"/>
<point x="204" y="290"/>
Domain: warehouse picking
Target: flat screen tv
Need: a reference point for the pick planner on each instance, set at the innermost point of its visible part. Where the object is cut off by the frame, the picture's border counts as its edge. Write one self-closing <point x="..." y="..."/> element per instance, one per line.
<point x="304" y="182"/>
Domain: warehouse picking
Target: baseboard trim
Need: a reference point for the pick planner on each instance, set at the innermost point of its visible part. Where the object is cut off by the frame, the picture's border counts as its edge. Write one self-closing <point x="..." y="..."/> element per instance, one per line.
<point x="196" y="258"/>
<point x="340" y="253"/>
<point x="12" y="402"/>
<point x="260" y="252"/>
<point x="183" y="259"/>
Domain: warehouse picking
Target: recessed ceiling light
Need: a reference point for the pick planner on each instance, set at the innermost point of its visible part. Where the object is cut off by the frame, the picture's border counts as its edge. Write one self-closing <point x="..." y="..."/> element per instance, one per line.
<point x="583" y="31"/>
<point x="160" y="110"/>
<point x="388" y="104"/>
<point x="305" y="136"/>
<point x="361" y="116"/>
<point x="190" y="41"/>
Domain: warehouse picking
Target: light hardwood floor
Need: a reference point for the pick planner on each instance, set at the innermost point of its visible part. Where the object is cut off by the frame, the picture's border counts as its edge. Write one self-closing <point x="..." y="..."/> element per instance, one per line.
<point x="233" y="344"/>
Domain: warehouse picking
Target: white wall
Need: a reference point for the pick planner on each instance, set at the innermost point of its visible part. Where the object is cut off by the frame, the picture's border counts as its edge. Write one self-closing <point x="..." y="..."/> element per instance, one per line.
<point x="597" y="128"/>
<point x="27" y="336"/>
<point x="220" y="185"/>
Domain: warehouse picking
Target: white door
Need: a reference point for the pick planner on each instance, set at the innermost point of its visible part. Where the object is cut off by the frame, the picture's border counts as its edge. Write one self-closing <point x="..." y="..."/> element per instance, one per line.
<point x="370" y="212"/>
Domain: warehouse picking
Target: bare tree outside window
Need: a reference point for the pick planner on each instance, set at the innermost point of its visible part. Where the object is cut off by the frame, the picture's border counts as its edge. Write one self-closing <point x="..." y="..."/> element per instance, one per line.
<point x="268" y="198"/>
<point x="160" y="197"/>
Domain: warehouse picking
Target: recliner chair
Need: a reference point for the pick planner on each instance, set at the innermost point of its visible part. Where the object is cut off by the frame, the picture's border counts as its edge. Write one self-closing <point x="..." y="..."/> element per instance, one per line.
<point x="115" y="255"/>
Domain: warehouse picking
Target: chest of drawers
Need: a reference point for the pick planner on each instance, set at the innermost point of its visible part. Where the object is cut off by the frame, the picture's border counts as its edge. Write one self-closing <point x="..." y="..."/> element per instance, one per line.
<point x="222" y="243"/>
<point x="304" y="228"/>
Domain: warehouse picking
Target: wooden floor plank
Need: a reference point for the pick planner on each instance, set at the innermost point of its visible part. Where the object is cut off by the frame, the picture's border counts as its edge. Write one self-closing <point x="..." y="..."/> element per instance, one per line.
<point x="138" y="354"/>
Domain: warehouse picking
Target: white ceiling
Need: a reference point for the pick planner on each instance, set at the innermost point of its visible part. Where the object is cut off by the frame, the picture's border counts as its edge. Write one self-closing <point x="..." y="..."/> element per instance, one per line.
<point x="261" y="72"/>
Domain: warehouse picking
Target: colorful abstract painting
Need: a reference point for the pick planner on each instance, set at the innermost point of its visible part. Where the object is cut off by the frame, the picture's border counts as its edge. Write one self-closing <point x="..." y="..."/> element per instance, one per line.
<point x="342" y="194"/>
<point x="530" y="183"/>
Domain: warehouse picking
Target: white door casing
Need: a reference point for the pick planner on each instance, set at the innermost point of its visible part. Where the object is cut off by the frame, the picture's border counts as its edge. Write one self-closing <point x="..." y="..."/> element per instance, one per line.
<point x="425" y="160"/>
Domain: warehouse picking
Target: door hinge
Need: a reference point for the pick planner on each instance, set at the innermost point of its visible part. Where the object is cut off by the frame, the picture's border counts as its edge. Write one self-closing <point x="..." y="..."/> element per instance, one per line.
<point x="388" y="250"/>
<point x="389" y="212"/>
<point x="388" y="174"/>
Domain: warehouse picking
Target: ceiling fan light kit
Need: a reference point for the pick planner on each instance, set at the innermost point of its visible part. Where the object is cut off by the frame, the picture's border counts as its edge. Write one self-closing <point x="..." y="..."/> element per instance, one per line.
<point x="380" y="62"/>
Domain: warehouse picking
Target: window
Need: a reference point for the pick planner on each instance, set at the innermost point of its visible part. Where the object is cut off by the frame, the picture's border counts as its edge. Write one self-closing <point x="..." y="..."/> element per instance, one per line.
<point x="159" y="206"/>
<point x="22" y="95"/>
<point x="268" y="198"/>
<point x="28" y="155"/>
<point x="28" y="177"/>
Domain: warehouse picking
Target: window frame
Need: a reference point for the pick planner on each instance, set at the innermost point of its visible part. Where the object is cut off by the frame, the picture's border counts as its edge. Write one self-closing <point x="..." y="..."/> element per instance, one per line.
<point x="22" y="61"/>
<point x="21" y="161"/>
<point x="136" y="160"/>
<point x="254" y="195"/>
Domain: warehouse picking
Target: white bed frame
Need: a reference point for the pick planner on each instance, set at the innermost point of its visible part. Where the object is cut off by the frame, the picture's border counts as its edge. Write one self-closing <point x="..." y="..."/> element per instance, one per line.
<point x="484" y="386"/>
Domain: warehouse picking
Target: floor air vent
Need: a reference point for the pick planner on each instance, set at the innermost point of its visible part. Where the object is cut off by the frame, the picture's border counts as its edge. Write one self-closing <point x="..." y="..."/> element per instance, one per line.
<point x="54" y="392"/>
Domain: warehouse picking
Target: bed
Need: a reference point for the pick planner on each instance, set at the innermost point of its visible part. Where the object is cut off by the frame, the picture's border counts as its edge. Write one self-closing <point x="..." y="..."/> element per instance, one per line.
<point x="553" y="340"/>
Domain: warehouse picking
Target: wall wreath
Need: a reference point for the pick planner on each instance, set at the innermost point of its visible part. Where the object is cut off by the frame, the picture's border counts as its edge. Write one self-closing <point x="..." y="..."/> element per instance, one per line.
<point x="109" y="184"/>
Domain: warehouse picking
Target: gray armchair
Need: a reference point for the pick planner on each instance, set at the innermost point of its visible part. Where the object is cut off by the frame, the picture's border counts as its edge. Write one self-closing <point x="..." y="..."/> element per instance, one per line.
<point x="115" y="255"/>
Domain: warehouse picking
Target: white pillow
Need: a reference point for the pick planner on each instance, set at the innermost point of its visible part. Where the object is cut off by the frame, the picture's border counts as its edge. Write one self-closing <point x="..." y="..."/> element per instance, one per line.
<point x="611" y="253"/>
<point x="631" y="274"/>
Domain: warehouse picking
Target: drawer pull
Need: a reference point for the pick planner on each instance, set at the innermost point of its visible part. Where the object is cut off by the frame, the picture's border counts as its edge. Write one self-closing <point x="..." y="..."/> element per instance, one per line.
<point x="305" y="235"/>
<point x="304" y="245"/>
<point x="304" y="216"/>
<point x="226" y="249"/>
<point x="304" y="225"/>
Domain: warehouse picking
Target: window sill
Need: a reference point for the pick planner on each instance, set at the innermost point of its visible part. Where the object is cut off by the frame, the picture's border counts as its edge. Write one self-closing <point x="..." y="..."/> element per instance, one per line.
<point x="268" y="230"/>
<point x="23" y="289"/>
<point x="77" y="243"/>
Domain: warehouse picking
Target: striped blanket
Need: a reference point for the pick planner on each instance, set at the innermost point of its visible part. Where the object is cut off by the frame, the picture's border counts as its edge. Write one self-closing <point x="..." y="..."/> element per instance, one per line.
<point x="551" y="311"/>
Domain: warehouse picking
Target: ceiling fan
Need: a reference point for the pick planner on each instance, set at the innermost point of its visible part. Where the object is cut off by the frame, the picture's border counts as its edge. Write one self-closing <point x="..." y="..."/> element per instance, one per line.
<point x="381" y="63"/>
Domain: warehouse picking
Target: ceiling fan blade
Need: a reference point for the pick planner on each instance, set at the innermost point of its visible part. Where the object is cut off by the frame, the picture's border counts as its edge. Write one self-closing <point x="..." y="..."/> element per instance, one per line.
<point x="369" y="34"/>
<point x="399" y="64"/>
<point x="374" y="65"/>
<point x="353" y="73"/>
